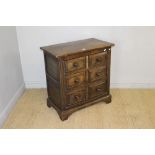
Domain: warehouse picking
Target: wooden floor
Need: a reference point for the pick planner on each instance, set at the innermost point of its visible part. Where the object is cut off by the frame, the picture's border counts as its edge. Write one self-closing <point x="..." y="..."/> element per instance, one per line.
<point x="130" y="108"/>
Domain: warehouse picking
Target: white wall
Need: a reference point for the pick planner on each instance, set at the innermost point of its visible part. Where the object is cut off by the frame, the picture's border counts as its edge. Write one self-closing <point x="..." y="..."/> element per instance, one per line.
<point x="133" y="57"/>
<point x="11" y="78"/>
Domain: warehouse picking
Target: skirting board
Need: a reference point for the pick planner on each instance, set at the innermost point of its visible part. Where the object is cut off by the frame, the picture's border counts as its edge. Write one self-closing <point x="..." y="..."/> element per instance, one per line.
<point x="133" y="85"/>
<point x="12" y="102"/>
<point x="35" y="84"/>
<point x="42" y="84"/>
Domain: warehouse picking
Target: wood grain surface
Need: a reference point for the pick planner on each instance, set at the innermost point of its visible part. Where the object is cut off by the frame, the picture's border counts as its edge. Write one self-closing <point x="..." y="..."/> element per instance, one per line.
<point x="65" y="49"/>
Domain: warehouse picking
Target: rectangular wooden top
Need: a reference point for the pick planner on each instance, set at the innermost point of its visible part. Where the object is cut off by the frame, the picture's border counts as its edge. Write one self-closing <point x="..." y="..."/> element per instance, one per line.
<point x="68" y="48"/>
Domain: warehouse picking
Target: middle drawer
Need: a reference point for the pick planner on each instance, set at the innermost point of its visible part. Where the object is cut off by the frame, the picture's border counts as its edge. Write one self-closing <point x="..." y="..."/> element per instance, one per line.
<point x="75" y="80"/>
<point x="97" y="74"/>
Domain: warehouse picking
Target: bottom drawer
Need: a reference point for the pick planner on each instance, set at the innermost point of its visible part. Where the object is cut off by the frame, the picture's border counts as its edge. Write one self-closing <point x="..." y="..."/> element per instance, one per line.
<point x="97" y="90"/>
<point x="74" y="99"/>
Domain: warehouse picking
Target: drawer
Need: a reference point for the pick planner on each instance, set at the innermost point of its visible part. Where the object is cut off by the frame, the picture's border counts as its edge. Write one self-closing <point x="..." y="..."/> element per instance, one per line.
<point x="75" y="80"/>
<point x="97" y="74"/>
<point x="75" y="64"/>
<point x="97" y="90"/>
<point x="76" y="98"/>
<point x="97" y="59"/>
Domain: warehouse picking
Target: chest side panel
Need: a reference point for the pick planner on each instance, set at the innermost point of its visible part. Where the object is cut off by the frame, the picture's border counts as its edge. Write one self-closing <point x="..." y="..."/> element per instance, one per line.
<point x="53" y="79"/>
<point x="52" y="66"/>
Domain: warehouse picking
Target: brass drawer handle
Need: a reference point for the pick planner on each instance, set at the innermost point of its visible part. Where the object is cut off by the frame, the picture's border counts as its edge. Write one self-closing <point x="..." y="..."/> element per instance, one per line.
<point x="98" y="74"/>
<point x="98" y="89"/>
<point x="76" y="81"/>
<point x="98" y="59"/>
<point x="75" y="65"/>
<point x="77" y="98"/>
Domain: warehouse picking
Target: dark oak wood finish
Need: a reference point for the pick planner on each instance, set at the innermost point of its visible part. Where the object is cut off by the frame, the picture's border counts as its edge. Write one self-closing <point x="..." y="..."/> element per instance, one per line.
<point x="78" y="74"/>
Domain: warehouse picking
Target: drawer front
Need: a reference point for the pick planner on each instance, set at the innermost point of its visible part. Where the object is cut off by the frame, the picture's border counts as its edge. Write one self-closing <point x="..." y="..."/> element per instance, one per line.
<point x="75" y="80"/>
<point x="97" y="59"/>
<point x="75" y="99"/>
<point x="97" y="74"/>
<point x="97" y="90"/>
<point x="75" y="64"/>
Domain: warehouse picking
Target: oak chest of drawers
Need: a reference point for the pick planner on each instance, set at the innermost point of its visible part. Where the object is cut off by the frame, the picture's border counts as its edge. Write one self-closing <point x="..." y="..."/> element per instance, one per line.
<point x="78" y="74"/>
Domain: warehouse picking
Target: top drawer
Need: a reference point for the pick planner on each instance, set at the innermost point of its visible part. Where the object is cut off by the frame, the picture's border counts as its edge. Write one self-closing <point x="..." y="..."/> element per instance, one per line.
<point x="97" y="59"/>
<point x="75" y="64"/>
